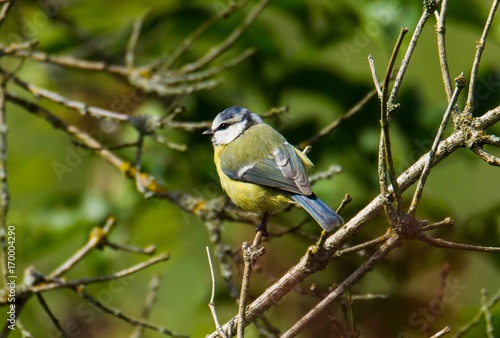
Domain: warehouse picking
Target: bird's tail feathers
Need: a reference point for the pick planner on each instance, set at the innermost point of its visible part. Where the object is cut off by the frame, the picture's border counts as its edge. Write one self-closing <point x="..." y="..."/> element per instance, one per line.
<point x="322" y="213"/>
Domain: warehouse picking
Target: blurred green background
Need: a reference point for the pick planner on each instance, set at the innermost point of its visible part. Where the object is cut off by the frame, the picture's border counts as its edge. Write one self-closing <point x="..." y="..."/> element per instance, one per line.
<point x="312" y="57"/>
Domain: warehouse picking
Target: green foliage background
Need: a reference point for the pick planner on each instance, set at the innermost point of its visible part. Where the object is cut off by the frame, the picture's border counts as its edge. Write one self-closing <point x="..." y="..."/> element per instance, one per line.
<point x="312" y="58"/>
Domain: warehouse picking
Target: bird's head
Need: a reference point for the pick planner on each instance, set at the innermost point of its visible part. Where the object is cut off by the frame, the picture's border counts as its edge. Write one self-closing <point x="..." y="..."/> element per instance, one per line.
<point x="231" y="123"/>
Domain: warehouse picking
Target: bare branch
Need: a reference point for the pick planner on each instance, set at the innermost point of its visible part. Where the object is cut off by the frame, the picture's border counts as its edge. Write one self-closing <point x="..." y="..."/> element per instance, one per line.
<point x="374" y="76"/>
<point x="485" y="156"/>
<point x="459" y="85"/>
<point x="447" y="222"/>
<point x="367" y="266"/>
<point x="211" y="304"/>
<point x="441" y="42"/>
<point x="97" y="236"/>
<point x="148" y="306"/>
<point x="365" y="245"/>
<point x="168" y="61"/>
<point x="132" y="42"/>
<point x="53" y="318"/>
<point x="5" y="10"/>
<point x="228" y="42"/>
<point x="81" y="107"/>
<point x="118" y="314"/>
<point x="325" y="175"/>
<point x="91" y="280"/>
<point x="386" y="163"/>
<point x="477" y="58"/>
<point x="440" y="243"/>
<point x="68" y="61"/>
<point x="477" y="317"/>
<point x="358" y="107"/>
<point x="429" y="7"/>
<point x="250" y="255"/>
<point x="441" y="333"/>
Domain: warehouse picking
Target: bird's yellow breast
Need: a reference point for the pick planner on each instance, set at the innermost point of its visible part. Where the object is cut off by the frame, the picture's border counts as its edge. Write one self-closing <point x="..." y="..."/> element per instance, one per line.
<point x="249" y="196"/>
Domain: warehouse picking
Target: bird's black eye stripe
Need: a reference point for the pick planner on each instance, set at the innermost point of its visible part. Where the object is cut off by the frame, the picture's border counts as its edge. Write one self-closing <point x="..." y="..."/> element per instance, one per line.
<point x="223" y="126"/>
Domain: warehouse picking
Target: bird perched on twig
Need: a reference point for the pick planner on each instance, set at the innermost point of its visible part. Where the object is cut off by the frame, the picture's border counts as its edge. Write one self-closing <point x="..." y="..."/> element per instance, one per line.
<point x="260" y="171"/>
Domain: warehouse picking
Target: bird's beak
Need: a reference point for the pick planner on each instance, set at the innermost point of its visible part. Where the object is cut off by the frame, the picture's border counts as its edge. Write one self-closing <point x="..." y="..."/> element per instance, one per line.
<point x="208" y="132"/>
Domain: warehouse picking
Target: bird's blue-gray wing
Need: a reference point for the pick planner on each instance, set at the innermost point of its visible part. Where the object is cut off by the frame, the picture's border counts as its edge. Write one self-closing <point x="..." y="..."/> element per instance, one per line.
<point x="281" y="169"/>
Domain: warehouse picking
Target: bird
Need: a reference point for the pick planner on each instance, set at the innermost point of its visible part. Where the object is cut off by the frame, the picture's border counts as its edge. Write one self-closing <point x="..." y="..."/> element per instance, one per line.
<point x="260" y="171"/>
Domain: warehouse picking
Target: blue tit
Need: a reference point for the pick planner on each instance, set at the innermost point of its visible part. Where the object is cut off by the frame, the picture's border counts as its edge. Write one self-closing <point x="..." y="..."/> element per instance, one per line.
<point x="260" y="171"/>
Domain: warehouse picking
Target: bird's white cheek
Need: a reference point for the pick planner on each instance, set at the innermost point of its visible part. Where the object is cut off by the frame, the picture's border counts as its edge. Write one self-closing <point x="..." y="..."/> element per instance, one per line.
<point x="228" y="135"/>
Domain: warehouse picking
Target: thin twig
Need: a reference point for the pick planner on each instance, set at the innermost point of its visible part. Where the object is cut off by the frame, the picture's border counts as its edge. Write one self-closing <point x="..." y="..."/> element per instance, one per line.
<point x="118" y="314"/>
<point x="211" y="304"/>
<point x="374" y="76"/>
<point x="441" y="333"/>
<point x="366" y="267"/>
<point x="487" y="314"/>
<point x="441" y="42"/>
<point x="477" y="317"/>
<point x="345" y="201"/>
<point x="53" y="318"/>
<point x="459" y="85"/>
<point x="429" y="7"/>
<point x="168" y="61"/>
<point x="81" y="107"/>
<point x="96" y="238"/>
<point x="99" y="279"/>
<point x="149" y="250"/>
<point x="358" y="107"/>
<point x="68" y="61"/>
<point x="216" y="51"/>
<point x="132" y="42"/>
<point x="332" y="171"/>
<point x="138" y="163"/>
<point x="441" y="243"/>
<point x="447" y="222"/>
<point x="386" y="162"/>
<point x="477" y="58"/>
<point x="365" y="245"/>
<point x="250" y="255"/>
<point x="148" y="306"/>
<point x="5" y="10"/>
<point x="445" y="271"/>
<point x="485" y="156"/>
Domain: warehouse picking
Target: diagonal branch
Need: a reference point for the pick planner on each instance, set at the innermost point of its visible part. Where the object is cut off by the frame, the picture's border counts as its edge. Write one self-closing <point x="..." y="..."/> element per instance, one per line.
<point x="335" y="124"/>
<point x="228" y="42"/>
<point x="97" y="236"/>
<point x="168" y="61"/>
<point x="5" y="10"/>
<point x="131" y="320"/>
<point x="366" y="267"/>
<point x="429" y="7"/>
<point x="92" y="280"/>
<point x="485" y="156"/>
<point x="459" y="85"/>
